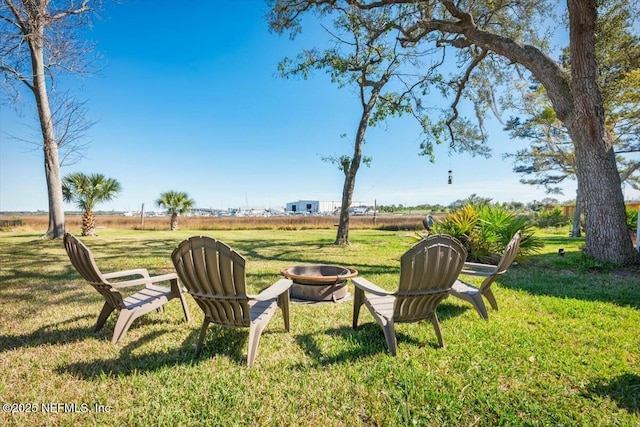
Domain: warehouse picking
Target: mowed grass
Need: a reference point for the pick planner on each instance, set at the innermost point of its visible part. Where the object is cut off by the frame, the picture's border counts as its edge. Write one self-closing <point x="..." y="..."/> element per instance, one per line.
<point x="562" y="350"/>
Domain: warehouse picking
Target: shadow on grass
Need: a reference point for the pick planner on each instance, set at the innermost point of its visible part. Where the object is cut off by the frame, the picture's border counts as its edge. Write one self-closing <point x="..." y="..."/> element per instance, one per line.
<point x="620" y="286"/>
<point x="369" y="340"/>
<point x="58" y="334"/>
<point x="31" y="297"/>
<point x="226" y="342"/>
<point x="127" y="361"/>
<point x="48" y="335"/>
<point x="624" y="390"/>
<point x="563" y="240"/>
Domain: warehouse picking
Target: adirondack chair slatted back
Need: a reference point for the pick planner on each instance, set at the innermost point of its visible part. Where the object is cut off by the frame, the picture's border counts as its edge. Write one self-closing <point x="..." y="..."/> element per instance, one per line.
<point x="214" y="275"/>
<point x="510" y="252"/>
<point x="82" y="260"/>
<point x="505" y="262"/>
<point x="427" y="272"/>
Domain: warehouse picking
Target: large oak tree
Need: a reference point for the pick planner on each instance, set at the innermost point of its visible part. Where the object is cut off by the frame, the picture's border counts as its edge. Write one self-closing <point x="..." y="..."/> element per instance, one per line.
<point x="502" y="34"/>
<point x="549" y="158"/>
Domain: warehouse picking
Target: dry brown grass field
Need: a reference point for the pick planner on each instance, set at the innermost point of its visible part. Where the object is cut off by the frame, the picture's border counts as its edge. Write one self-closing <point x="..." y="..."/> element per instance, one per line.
<point x="383" y="222"/>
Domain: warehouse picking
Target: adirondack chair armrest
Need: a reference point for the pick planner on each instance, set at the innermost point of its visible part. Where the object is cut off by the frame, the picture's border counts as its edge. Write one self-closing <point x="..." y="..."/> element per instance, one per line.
<point x="475" y="269"/>
<point x="367" y="286"/>
<point x="282" y="285"/>
<point x="146" y="280"/>
<point x="135" y="272"/>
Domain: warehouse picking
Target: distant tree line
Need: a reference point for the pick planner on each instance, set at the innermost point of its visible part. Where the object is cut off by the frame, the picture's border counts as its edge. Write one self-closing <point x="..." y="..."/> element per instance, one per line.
<point x="475" y="200"/>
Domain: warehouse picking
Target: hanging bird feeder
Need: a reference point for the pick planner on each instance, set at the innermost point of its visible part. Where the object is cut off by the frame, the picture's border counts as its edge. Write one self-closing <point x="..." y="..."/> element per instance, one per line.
<point x="450" y="179"/>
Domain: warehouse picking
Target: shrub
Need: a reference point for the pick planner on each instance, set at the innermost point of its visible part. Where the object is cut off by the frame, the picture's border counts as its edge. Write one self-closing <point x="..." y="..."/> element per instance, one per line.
<point x="551" y="218"/>
<point x="464" y="224"/>
<point x="486" y="230"/>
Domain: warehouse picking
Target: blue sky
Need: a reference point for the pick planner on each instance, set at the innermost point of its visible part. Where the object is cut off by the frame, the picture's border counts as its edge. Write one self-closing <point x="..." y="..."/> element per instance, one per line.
<point x="188" y="100"/>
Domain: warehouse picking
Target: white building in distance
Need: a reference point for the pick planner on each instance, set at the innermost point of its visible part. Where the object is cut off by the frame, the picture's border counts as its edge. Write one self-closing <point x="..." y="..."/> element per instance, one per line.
<point x="312" y="207"/>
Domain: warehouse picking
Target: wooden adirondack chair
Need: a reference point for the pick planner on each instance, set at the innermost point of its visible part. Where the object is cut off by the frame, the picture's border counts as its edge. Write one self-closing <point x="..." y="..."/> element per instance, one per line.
<point x="214" y="274"/>
<point x="427" y="271"/>
<point x="152" y="297"/>
<point x="474" y="295"/>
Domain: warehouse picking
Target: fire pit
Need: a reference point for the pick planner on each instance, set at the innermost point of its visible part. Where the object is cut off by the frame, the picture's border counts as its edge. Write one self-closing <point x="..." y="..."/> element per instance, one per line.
<point x="319" y="282"/>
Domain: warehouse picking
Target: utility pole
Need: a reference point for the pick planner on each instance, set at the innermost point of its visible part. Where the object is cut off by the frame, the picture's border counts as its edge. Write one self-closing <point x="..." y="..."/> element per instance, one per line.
<point x="375" y="210"/>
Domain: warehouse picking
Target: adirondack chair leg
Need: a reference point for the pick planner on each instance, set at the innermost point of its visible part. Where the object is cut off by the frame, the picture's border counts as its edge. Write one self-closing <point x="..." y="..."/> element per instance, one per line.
<point x="185" y="309"/>
<point x="255" y="332"/>
<point x="283" y="303"/>
<point x="436" y="327"/>
<point x="478" y="303"/>
<point x="125" y="320"/>
<point x="106" y="311"/>
<point x="177" y="290"/>
<point x="358" y="296"/>
<point x="390" y="336"/>
<point x="488" y="294"/>
<point x="203" y="332"/>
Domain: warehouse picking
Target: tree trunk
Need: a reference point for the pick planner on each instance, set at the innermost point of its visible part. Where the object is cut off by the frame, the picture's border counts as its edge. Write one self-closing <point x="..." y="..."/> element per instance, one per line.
<point x="54" y="190"/>
<point x="607" y="237"/>
<point x="342" y="237"/>
<point x="50" y="146"/>
<point x="88" y="223"/>
<point x="575" y="231"/>
<point x="174" y="221"/>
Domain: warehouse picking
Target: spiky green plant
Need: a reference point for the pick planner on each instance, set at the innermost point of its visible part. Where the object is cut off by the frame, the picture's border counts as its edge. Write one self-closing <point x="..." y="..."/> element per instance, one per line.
<point x="486" y="230"/>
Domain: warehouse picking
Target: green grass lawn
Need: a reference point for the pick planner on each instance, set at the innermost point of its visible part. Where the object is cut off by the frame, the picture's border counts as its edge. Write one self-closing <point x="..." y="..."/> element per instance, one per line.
<point x="563" y="350"/>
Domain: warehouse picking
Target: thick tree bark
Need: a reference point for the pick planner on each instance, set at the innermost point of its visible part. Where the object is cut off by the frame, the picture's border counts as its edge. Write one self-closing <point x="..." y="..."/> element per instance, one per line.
<point x="607" y="237"/>
<point x="575" y="230"/>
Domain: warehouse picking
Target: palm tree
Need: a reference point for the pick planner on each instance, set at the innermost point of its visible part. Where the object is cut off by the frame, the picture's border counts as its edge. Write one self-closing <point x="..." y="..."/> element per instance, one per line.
<point x="86" y="191"/>
<point x="175" y="202"/>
